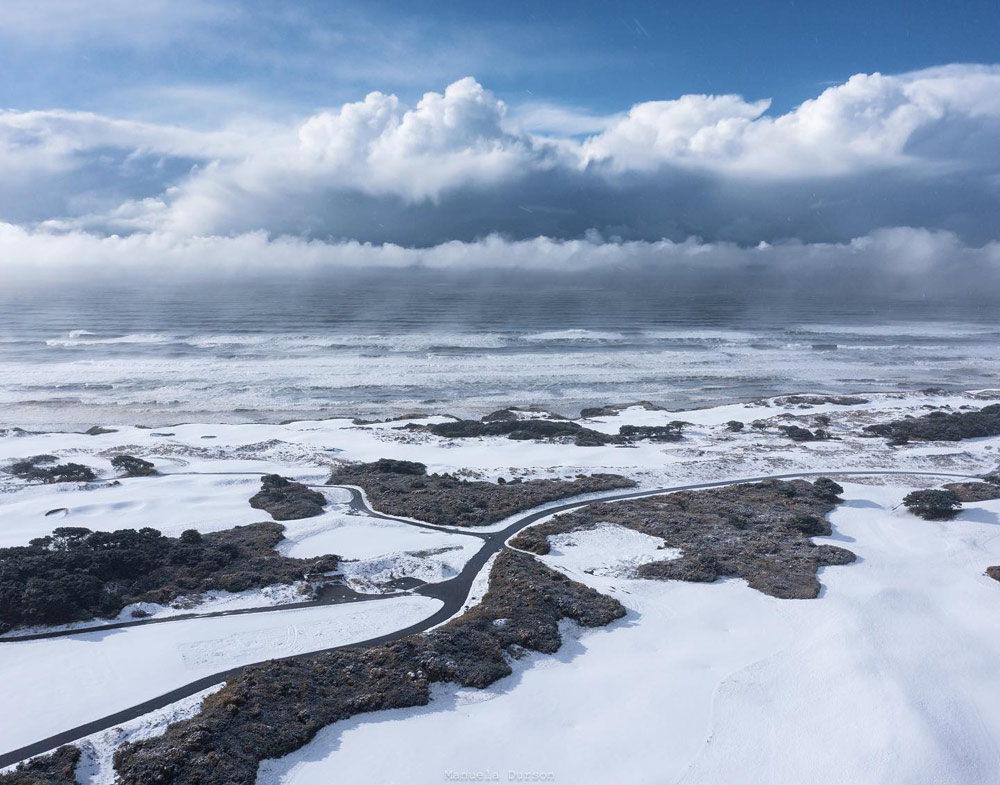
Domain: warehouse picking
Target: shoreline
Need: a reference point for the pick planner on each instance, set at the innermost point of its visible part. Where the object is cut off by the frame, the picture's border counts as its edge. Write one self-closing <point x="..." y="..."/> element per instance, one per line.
<point x="403" y="412"/>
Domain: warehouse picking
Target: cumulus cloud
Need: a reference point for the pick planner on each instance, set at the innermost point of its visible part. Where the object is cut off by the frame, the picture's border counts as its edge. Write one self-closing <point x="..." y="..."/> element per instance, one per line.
<point x="919" y="149"/>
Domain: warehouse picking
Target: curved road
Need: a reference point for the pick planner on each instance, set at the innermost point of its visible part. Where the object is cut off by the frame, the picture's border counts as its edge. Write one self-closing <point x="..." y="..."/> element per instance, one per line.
<point x="453" y="593"/>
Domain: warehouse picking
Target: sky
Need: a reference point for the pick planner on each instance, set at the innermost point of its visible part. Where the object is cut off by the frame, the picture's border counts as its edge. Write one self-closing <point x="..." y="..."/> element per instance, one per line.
<point x="393" y="133"/>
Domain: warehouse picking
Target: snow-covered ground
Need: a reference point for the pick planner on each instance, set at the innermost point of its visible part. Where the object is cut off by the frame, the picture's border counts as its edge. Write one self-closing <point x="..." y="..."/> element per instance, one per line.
<point x="885" y="678"/>
<point x="375" y="552"/>
<point x="54" y="684"/>
<point x="888" y="677"/>
<point x="306" y="450"/>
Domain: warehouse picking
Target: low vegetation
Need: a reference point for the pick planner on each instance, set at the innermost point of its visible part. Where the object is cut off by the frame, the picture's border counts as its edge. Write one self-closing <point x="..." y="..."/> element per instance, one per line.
<point x="287" y="500"/>
<point x="523" y="430"/>
<point x="759" y="532"/>
<point x="46" y="469"/>
<point x="130" y="466"/>
<point x="933" y="504"/>
<point x="974" y="491"/>
<point x="941" y="426"/>
<point x="58" y="768"/>
<point x="527" y="429"/>
<point x="405" y="489"/>
<point x="272" y="709"/>
<point x="76" y="574"/>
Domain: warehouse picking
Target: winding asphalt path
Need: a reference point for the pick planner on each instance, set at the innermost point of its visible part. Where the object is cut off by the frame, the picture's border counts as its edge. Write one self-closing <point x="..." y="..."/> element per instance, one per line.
<point x="453" y="593"/>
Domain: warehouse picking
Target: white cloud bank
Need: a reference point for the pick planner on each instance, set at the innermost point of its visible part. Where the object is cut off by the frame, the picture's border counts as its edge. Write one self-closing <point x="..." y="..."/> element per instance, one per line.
<point x="898" y="261"/>
<point x="919" y="149"/>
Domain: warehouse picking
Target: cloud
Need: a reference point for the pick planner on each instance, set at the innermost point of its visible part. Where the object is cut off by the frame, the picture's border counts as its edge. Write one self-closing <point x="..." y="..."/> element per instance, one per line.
<point x="872" y="120"/>
<point x="917" y="149"/>
<point x="58" y="23"/>
<point x="886" y="264"/>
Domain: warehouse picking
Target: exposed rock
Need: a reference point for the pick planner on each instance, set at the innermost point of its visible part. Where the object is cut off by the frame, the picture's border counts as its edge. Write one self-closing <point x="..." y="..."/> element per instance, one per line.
<point x="99" y="430"/>
<point x="274" y="708"/>
<point x="759" y="532"/>
<point x="993" y="572"/>
<point x="57" y="768"/>
<point x="287" y="500"/>
<point x="734" y="425"/>
<point x="974" y="491"/>
<point x="130" y="466"/>
<point x="446" y="500"/>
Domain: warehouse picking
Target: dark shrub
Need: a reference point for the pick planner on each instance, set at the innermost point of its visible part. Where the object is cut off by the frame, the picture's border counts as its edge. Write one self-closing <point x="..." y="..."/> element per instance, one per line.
<point x="757" y="531"/>
<point x="654" y="433"/>
<point x="827" y="489"/>
<point x="391" y="466"/>
<point x="941" y="426"/>
<point x="734" y="426"/>
<point x="269" y="710"/>
<point x="75" y="574"/>
<point x="287" y="500"/>
<point x="519" y="429"/>
<point x="36" y="469"/>
<point x="933" y="505"/>
<point x="131" y="466"/>
<point x="797" y="434"/>
<point x="57" y="768"/>
<point x="447" y="500"/>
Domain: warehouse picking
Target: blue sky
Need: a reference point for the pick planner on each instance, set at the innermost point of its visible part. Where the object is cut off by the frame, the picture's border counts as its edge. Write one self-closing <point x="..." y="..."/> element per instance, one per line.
<point x="288" y="131"/>
<point x="190" y="58"/>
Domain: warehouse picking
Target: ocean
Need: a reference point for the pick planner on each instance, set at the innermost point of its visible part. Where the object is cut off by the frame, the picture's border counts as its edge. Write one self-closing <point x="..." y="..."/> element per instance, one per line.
<point x="379" y="345"/>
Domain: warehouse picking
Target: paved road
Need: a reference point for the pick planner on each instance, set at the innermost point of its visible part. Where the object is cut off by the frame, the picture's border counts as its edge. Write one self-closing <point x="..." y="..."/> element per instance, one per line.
<point x="453" y="593"/>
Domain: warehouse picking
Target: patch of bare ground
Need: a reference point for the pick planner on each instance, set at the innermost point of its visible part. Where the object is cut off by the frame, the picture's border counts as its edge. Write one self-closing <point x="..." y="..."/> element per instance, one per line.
<point x="405" y="489"/>
<point x="993" y="572"/>
<point x="58" y="768"/>
<point x="760" y="532"/>
<point x="271" y="709"/>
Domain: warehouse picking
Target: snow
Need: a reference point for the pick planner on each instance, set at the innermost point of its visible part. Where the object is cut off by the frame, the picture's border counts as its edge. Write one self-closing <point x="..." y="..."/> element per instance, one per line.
<point x="71" y="680"/>
<point x="609" y="550"/>
<point x="889" y="677"/>
<point x="96" y="765"/>
<point x="306" y="450"/>
<point x="199" y="604"/>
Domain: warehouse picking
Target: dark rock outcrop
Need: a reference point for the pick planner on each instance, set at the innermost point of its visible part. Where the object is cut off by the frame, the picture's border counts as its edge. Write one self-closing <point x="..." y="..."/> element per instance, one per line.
<point x="287" y="500"/>
<point x="274" y="708"/>
<point x="449" y="501"/>
<point x="759" y="532"/>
